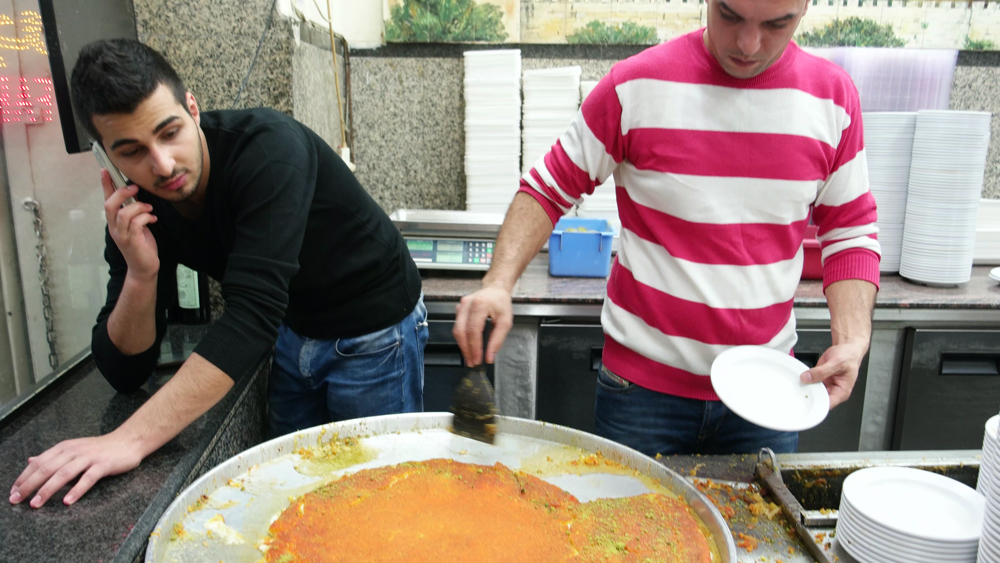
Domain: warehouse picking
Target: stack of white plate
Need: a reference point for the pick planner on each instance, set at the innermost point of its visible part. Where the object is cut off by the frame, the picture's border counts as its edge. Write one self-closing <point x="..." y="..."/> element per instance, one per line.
<point x="989" y="486"/>
<point x="888" y="145"/>
<point x="492" y="129"/>
<point x="905" y="515"/>
<point x="551" y="101"/>
<point x="991" y="457"/>
<point x="946" y="178"/>
<point x="987" y="233"/>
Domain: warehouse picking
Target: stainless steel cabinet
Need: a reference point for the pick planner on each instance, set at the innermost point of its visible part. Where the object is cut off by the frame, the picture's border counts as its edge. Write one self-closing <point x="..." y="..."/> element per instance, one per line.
<point x="949" y="387"/>
<point x="841" y="431"/>
<point x="568" y="358"/>
<point x="443" y="366"/>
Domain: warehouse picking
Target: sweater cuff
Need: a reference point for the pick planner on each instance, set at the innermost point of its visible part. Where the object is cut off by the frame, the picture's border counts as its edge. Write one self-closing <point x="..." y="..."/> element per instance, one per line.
<point x="125" y="373"/>
<point x="234" y="353"/>
<point x="551" y="209"/>
<point x="851" y="264"/>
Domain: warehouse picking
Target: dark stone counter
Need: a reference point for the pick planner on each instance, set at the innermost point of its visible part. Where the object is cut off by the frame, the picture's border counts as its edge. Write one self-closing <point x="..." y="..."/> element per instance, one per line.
<point x="113" y="521"/>
<point x="537" y="286"/>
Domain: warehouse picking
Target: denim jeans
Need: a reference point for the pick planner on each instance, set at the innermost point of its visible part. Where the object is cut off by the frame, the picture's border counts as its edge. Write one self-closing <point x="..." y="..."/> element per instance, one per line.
<point x="653" y="422"/>
<point x="313" y="382"/>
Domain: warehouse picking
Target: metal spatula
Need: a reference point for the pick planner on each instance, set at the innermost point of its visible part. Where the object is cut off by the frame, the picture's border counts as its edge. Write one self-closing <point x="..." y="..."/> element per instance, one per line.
<point x="473" y="407"/>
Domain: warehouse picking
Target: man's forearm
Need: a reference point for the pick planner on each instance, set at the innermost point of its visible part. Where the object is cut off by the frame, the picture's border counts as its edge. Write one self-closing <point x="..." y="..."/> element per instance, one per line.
<point x="851" y="303"/>
<point x="525" y="229"/>
<point x="196" y="387"/>
<point x="132" y="323"/>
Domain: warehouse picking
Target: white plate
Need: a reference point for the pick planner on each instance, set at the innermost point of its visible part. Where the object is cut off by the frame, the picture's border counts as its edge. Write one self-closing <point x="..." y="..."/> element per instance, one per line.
<point x="995" y="274"/>
<point x="886" y="540"/>
<point x="898" y="551"/>
<point x="916" y="503"/>
<point x="762" y="385"/>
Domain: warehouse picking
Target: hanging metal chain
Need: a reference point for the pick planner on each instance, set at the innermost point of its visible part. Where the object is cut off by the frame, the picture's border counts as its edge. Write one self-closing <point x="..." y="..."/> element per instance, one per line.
<point x="43" y="279"/>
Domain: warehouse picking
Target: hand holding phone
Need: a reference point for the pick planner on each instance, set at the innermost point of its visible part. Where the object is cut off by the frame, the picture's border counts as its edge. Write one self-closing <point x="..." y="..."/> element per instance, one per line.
<point x="137" y="245"/>
<point x="117" y="178"/>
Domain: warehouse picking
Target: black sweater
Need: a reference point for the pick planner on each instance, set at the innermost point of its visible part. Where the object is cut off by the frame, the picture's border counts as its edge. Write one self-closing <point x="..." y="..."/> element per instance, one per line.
<point x="290" y="234"/>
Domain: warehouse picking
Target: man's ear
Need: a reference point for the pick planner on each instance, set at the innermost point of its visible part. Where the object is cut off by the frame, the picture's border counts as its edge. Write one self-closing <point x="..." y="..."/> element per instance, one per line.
<point x="192" y="107"/>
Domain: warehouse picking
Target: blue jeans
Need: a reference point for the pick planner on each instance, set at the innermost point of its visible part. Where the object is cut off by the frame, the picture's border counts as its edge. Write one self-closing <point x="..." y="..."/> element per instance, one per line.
<point x="653" y="422"/>
<point x="314" y="382"/>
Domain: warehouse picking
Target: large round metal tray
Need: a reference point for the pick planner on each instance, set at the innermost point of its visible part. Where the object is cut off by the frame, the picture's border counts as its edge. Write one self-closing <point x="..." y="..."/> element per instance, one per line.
<point x="249" y="489"/>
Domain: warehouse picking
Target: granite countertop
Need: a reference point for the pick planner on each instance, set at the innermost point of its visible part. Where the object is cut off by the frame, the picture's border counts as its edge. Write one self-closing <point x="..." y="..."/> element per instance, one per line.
<point x="537" y="286"/>
<point x="112" y="522"/>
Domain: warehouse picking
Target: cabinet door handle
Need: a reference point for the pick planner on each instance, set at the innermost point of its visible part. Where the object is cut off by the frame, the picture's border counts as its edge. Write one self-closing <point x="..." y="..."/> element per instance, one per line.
<point x="596" y="353"/>
<point x="970" y="364"/>
<point x="442" y="355"/>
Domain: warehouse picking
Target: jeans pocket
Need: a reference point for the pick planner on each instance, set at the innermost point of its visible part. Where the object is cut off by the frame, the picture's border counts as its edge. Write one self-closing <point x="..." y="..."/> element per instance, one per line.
<point x="612" y="382"/>
<point x="369" y="344"/>
<point x="420" y="318"/>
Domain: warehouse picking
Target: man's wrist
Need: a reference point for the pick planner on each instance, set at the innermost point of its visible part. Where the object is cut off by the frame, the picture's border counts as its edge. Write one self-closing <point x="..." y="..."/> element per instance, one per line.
<point x="128" y="435"/>
<point x="859" y="342"/>
<point x="141" y="279"/>
<point x="491" y="281"/>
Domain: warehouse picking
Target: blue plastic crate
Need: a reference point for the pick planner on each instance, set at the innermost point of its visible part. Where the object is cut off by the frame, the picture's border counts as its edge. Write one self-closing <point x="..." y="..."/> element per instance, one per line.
<point x="580" y="254"/>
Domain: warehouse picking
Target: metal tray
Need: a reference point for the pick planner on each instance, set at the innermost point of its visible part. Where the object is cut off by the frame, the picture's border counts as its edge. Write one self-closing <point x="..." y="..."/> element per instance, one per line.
<point x="253" y="487"/>
<point x="808" y="486"/>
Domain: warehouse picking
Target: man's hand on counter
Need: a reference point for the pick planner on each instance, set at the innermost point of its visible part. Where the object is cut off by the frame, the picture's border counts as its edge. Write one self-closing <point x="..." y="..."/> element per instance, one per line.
<point x="90" y="458"/>
<point x="195" y="388"/>
<point x="470" y="322"/>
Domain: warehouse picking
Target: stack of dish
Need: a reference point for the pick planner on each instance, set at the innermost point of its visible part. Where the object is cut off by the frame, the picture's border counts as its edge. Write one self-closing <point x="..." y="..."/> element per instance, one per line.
<point x="492" y="129"/>
<point x="551" y="101"/>
<point x="888" y="145"/>
<point x="988" y="233"/>
<point x="946" y="178"/>
<point x="991" y="456"/>
<point x="906" y="515"/>
<point x="989" y="486"/>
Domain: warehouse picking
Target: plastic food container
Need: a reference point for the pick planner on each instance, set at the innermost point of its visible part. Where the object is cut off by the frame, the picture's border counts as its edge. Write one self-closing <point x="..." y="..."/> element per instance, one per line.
<point x="581" y="254"/>
<point x="812" y="255"/>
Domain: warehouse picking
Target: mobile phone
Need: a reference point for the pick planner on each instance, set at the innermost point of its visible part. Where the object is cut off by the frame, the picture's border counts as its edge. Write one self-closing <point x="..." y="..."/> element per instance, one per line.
<point x="117" y="178"/>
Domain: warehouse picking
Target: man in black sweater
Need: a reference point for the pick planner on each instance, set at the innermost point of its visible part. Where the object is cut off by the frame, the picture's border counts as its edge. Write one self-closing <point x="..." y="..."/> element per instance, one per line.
<point x="309" y="265"/>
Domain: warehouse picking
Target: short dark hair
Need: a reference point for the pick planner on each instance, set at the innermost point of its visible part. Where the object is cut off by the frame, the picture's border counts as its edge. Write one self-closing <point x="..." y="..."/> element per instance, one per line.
<point x="116" y="75"/>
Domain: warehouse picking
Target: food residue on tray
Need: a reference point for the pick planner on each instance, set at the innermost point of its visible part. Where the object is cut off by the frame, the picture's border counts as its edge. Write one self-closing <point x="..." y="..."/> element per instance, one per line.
<point x="750" y="496"/>
<point x="178" y="532"/>
<point x="747" y="542"/>
<point x="198" y="504"/>
<point x="333" y="455"/>
<point x="466" y="510"/>
<point x="217" y="529"/>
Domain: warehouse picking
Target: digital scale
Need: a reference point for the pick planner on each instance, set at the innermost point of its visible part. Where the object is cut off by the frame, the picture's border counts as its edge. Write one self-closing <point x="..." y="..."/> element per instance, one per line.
<point x="449" y="240"/>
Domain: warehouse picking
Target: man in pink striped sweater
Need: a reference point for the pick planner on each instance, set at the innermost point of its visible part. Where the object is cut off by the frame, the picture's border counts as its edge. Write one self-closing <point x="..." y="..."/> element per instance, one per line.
<point x="721" y="143"/>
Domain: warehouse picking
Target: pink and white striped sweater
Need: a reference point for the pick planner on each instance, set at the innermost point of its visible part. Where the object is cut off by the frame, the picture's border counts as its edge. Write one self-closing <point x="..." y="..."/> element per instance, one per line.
<point x="716" y="178"/>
